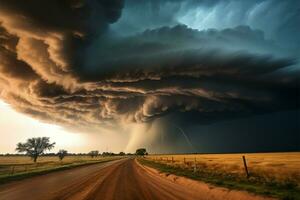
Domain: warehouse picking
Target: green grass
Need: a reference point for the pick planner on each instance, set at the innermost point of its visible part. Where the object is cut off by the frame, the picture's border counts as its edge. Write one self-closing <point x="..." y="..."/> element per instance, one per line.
<point x="5" y="178"/>
<point x="283" y="190"/>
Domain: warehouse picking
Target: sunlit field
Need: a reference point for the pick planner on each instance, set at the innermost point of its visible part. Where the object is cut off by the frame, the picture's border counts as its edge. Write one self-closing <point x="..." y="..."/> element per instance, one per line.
<point x="269" y="166"/>
<point x="15" y="165"/>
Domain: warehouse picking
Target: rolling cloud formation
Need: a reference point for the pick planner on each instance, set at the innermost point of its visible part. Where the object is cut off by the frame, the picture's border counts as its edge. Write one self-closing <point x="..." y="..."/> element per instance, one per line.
<point x="99" y="63"/>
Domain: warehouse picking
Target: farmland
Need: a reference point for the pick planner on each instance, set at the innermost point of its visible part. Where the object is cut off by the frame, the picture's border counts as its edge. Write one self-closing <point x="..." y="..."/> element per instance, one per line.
<point x="279" y="166"/>
<point x="18" y="167"/>
<point x="275" y="174"/>
<point x="122" y="179"/>
<point x="271" y="175"/>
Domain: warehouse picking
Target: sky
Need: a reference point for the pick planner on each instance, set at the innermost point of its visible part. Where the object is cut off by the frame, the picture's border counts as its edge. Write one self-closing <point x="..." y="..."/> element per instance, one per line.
<point x="173" y="76"/>
<point x="17" y="127"/>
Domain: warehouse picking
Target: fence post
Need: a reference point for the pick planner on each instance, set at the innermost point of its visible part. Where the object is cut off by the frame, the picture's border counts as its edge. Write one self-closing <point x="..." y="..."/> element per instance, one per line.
<point x="245" y="166"/>
<point x="172" y="159"/>
<point x="12" y="169"/>
<point x="195" y="165"/>
<point x="184" y="161"/>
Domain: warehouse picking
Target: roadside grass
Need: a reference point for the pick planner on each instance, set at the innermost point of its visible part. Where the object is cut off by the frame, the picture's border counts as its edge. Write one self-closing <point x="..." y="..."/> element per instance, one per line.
<point x="286" y="190"/>
<point x="45" y="167"/>
<point x="280" y="166"/>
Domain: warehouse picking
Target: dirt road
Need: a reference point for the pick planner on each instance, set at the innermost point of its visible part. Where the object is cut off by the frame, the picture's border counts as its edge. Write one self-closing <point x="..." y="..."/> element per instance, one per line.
<point x="117" y="180"/>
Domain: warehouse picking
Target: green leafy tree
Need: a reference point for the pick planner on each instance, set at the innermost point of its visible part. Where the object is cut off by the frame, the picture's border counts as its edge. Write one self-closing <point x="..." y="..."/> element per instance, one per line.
<point x="62" y="153"/>
<point x="141" y="152"/>
<point x="34" y="147"/>
<point x="122" y="153"/>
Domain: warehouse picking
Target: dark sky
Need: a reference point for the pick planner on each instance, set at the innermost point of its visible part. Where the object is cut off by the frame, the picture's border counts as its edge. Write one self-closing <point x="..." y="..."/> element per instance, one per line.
<point x="211" y="75"/>
<point x="269" y="132"/>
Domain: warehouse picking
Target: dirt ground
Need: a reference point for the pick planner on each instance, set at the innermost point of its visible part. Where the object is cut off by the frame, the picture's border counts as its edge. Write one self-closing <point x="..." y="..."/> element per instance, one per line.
<point x="116" y="180"/>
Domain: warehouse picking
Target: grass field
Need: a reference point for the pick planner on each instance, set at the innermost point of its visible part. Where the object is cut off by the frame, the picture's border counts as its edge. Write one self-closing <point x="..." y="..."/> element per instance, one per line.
<point x="18" y="167"/>
<point x="279" y="166"/>
<point x="275" y="174"/>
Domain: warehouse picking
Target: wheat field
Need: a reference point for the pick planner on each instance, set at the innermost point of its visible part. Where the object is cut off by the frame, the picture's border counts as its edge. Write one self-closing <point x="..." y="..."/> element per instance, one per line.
<point x="11" y="160"/>
<point x="270" y="166"/>
<point x="10" y="165"/>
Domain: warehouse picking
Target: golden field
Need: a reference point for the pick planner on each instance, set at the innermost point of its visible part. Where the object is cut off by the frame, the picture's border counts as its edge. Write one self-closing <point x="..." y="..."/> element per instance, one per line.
<point x="11" y="160"/>
<point x="11" y="165"/>
<point x="270" y="166"/>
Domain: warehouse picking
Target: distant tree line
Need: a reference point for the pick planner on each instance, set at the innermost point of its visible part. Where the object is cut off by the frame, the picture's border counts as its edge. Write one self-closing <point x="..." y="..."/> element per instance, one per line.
<point x="36" y="147"/>
<point x="73" y="154"/>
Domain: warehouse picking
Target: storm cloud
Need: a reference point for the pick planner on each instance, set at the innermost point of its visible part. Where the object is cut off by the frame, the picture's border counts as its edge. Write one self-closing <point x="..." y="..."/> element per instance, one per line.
<point x="94" y="64"/>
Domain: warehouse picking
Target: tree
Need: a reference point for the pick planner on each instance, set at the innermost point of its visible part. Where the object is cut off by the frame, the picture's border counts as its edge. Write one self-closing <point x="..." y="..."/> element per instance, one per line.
<point x="141" y="152"/>
<point x="34" y="147"/>
<point x="108" y="154"/>
<point x="122" y="153"/>
<point x="62" y="153"/>
<point x="94" y="153"/>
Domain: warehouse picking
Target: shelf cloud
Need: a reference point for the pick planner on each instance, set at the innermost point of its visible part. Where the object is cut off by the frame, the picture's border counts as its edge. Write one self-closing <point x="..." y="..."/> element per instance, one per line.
<point x="94" y="64"/>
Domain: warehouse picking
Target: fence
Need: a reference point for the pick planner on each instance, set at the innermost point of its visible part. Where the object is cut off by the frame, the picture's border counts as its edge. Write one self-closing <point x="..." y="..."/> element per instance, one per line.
<point x="22" y="168"/>
<point x="197" y="164"/>
<point x="24" y="164"/>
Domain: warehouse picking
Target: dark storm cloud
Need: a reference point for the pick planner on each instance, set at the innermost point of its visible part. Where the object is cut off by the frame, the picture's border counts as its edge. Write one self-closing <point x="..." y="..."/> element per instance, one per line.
<point x="167" y="47"/>
<point x="278" y="19"/>
<point x="11" y="67"/>
<point x="71" y="15"/>
<point x="61" y="61"/>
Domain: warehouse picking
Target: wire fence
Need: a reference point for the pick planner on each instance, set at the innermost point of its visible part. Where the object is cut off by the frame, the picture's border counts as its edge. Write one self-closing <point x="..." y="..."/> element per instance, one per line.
<point x="17" y="165"/>
<point x="282" y="167"/>
<point x="196" y="163"/>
